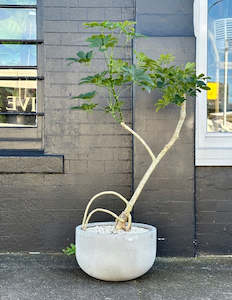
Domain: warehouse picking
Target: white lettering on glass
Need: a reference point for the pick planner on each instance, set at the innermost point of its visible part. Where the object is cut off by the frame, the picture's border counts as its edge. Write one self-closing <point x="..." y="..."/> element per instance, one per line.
<point x="23" y="103"/>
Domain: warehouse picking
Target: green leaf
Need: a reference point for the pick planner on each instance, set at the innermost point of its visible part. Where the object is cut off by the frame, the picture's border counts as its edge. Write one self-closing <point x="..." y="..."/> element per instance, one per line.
<point x="82" y="57"/>
<point x="160" y="104"/>
<point x="160" y="84"/>
<point x="206" y="88"/>
<point x="70" y="250"/>
<point x="190" y="66"/>
<point x="137" y="75"/>
<point x="98" y="79"/>
<point x="85" y="106"/>
<point x="102" y="42"/>
<point x="117" y="65"/>
<point x="105" y="24"/>
<point x="178" y="100"/>
<point x="81" y="54"/>
<point x="88" y="95"/>
<point x="165" y="59"/>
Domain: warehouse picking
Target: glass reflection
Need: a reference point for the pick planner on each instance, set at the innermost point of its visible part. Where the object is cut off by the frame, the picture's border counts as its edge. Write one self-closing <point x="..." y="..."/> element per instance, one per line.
<point x="17" y="96"/>
<point x="17" y="23"/>
<point x="18" y="2"/>
<point x="219" y="98"/>
<point x="18" y="55"/>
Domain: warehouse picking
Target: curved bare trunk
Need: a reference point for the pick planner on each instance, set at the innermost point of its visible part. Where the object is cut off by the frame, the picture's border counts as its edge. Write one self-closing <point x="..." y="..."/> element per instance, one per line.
<point x="155" y="162"/>
<point x="125" y="216"/>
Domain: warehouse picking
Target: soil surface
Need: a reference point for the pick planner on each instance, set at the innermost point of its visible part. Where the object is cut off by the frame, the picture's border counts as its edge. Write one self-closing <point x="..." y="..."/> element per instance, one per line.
<point x="111" y="229"/>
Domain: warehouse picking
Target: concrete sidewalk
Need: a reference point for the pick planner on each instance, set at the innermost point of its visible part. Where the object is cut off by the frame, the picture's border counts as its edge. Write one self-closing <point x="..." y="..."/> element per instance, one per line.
<point x="57" y="277"/>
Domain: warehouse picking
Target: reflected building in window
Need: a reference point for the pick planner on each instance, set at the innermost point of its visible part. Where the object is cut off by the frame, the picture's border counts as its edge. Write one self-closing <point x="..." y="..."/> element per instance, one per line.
<point x="219" y="104"/>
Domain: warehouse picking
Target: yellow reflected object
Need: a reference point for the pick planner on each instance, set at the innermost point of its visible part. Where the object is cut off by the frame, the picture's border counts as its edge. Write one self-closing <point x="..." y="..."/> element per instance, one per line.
<point x="213" y="93"/>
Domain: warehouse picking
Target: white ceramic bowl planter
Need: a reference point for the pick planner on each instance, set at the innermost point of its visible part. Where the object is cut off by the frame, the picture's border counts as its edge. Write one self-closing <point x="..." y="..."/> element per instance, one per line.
<point x="115" y="256"/>
<point x="129" y="250"/>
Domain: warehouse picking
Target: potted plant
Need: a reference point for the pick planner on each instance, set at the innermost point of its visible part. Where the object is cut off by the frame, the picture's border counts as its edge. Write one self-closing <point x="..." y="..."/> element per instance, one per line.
<point x="124" y="250"/>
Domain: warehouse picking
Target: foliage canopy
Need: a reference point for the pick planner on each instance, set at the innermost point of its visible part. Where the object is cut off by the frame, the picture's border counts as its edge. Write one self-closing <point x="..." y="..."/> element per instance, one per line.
<point x="176" y="83"/>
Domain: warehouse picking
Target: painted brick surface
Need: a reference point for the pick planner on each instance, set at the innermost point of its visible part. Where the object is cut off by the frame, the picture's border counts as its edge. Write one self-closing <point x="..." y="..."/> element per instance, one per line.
<point x="167" y="200"/>
<point x="165" y="18"/>
<point x="39" y="212"/>
<point x="214" y="210"/>
<point x="28" y="164"/>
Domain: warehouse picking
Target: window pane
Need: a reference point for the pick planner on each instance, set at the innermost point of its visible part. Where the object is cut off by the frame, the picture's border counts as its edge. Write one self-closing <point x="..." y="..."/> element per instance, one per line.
<point x="17" y="23"/>
<point x="17" y="121"/>
<point x="18" y="55"/>
<point x="219" y="98"/>
<point x="18" y="96"/>
<point x="18" y="2"/>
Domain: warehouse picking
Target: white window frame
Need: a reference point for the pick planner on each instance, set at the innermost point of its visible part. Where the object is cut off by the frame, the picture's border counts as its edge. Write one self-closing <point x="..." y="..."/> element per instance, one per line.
<point x="212" y="149"/>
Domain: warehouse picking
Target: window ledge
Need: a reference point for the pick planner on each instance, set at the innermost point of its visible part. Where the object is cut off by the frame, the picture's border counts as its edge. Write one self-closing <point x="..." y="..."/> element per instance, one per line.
<point x="47" y="164"/>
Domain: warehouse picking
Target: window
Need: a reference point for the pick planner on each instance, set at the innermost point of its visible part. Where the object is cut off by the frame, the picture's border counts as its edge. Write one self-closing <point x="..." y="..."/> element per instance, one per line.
<point x="20" y="85"/>
<point x="213" y="30"/>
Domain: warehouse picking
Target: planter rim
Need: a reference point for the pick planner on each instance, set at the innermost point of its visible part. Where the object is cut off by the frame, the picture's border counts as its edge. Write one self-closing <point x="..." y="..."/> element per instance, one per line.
<point x="92" y="233"/>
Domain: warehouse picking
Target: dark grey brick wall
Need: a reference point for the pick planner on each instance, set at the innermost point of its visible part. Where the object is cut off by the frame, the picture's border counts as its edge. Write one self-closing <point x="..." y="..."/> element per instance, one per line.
<point x="165" y="18"/>
<point x="214" y="210"/>
<point x="168" y="198"/>
<point x="40" y="211"/>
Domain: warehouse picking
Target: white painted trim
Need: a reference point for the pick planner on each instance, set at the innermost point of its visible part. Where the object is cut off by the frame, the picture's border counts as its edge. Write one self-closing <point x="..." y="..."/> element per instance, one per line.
<point x="212" y="149"/>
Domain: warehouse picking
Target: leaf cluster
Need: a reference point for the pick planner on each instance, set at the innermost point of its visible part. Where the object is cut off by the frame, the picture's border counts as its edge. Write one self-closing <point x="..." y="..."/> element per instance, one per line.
<point x="127" y="27"/>
<point x="102" y="42"/>
<point x="70" y="250"/>
<point x="176" y="83"/>
<point x="81" y="57"/>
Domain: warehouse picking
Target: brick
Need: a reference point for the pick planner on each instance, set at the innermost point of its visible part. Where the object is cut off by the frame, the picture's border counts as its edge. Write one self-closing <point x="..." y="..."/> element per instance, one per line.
<point x="60" y="144"/>
<point x="118" y="167"/>
<point x="113" y="14"/>
<point x="128" y="13"/>
<point x="106" y="118"/>
<point x="66" y="166"/>
<point x="96" y="14"/>
<point x="105" y="141"/>
<point x="89" y="129"/>
<point x="63" y="77"/>
<point x="70" y="51"/>
<point x="95" y="3"/>
<point x="52" y="38"/>
<point x="162" y="7"/>
<point x="65" y="14"/>
<point x="96" y="167"/>
<point x="61" y="26"/>
<point x="123" y="3"/>
<point x="20" y="180"/>
<point x="78" y="166"/>
<point x="31" y="164"/>
<point x="124" y="154"/>
<point x="100" y="154"/>
<point x="60" y="3"/>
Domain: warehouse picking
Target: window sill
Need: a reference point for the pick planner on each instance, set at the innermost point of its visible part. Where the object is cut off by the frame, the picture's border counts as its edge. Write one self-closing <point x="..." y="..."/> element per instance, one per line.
<point x="36" y="163"/>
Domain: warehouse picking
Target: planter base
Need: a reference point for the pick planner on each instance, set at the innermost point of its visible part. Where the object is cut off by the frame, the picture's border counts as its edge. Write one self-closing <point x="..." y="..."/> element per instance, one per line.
<point x="116" y="257"/>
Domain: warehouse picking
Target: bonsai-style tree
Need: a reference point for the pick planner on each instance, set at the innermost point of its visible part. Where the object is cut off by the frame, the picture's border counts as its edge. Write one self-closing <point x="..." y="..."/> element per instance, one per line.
<point x="176" y="84"/>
